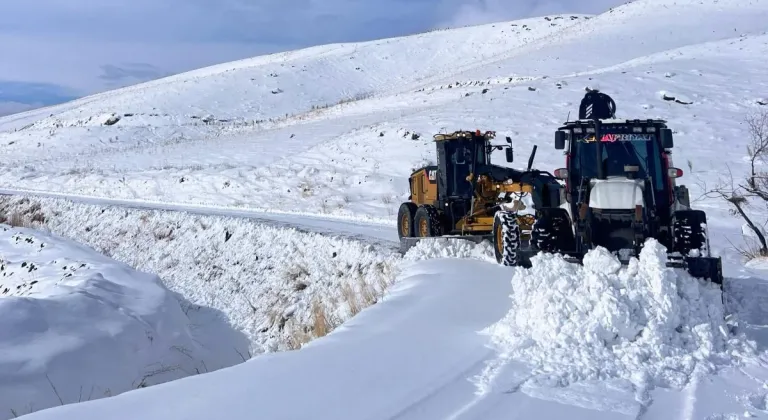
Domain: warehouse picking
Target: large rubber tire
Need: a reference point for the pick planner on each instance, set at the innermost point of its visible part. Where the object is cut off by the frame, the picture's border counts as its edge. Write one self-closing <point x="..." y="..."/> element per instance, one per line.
<point x="405" y="220"/>
<point x="427" y="222"/>
<point x="507" y="242"/>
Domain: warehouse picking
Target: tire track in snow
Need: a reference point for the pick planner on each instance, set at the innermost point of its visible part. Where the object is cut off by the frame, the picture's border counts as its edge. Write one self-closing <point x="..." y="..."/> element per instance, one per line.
<point x="453" y="378"/>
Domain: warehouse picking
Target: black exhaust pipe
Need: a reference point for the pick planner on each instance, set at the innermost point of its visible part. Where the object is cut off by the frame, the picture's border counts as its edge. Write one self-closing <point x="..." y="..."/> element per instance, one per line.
<point x="599" y="150"/>
<point x="530" y="159"/>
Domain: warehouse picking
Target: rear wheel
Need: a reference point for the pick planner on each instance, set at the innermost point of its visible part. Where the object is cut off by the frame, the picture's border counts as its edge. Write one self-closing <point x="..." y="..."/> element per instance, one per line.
<point x="506" y="238"/>
<point x="405" y="220"/>
<point x="427" y="222"/>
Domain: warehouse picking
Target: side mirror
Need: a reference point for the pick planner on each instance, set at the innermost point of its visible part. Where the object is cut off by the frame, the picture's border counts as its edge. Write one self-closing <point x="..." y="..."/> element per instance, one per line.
<point x="509" y="140"/>
<point x="666" y="138"/>
<point x="561" y="173"/>
<point x="510" y="154"/>
<point x="559" y="140"/>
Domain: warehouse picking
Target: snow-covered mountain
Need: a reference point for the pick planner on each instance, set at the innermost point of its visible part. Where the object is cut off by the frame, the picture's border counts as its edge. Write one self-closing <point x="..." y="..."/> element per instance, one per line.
<point x="331" y="133"/>
<point x="351" y="154"/>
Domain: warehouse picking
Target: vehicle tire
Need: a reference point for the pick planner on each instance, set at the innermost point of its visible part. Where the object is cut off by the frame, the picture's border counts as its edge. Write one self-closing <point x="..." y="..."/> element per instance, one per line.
<point x="405" y="220"/>
<point x="506" y="238"/>
<point x="427" y="222"/>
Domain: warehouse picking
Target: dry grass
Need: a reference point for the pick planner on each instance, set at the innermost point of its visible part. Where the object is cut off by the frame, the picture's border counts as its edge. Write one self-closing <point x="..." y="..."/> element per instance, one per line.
<point x="22" y="213"/>
<point x="362" y="296"/>
<point x="356" y="296"/>
<point x="321" y="325"/>
<point x="350" y="298"/>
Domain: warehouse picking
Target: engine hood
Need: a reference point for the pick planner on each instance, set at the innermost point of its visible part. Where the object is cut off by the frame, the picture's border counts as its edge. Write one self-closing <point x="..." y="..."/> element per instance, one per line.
<point x="616" y="193"/>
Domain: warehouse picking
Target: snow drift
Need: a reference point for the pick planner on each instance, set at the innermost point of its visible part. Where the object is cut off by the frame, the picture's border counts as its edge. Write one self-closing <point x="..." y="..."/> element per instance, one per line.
<point x="646" y="323"/>
<point x="94" y="327"/>
<point x="278" y="287"/>
<point x="78" y="326"/>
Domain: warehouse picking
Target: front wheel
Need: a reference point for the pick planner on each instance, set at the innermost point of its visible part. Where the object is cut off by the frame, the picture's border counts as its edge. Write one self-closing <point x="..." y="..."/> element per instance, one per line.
<point x="506" y="238"/>
<point x="405" y="220"/>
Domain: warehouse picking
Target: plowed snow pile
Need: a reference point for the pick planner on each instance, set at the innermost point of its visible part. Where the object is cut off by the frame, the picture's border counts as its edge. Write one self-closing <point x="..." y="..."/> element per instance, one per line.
<point x="647" y="323"/>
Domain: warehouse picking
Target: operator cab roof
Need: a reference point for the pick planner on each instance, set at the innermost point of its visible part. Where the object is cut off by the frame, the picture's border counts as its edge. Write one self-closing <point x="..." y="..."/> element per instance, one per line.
<point x="464" y="135"/>
<point x="615" y="121"/>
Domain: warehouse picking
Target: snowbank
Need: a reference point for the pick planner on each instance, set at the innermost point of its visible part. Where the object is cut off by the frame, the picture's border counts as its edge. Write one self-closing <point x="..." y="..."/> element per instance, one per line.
<point x="645" y="323"/>
<point x="279" y="287"/>
<point x="97" y="328"/>
<point x="78" y="326"/>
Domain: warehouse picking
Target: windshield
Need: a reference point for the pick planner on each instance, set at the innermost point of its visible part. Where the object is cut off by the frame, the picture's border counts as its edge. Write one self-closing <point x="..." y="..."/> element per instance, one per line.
<point x="619" y="150"/>
<point x="463" y="153"/>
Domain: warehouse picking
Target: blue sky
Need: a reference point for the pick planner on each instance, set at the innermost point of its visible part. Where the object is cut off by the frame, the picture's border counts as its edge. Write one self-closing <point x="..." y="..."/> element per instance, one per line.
<point x="57" y="50"/>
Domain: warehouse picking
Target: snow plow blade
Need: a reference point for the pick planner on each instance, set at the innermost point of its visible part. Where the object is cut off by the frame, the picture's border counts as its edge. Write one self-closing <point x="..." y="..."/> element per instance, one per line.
<point x="407" y="243"/>
<point x="710" y="268"/>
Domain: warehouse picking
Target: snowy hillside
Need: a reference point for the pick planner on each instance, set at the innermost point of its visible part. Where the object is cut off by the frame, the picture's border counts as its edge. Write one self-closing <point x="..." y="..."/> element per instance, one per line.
<point x="324" y="139"/>
<point x="353" y="158"/>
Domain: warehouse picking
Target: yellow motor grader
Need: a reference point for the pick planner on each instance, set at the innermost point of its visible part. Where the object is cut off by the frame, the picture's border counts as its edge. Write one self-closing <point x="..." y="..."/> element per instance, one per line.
<point x="466" y="196"/>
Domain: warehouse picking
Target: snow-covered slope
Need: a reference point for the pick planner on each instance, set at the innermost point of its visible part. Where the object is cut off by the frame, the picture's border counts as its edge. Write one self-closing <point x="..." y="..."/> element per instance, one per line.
<point x="262" y="285"/>
<point x="241" y="97"/>
<point x="444" y="343"/>
<point x="353" y="158"/>
<point x="78" y="326"/>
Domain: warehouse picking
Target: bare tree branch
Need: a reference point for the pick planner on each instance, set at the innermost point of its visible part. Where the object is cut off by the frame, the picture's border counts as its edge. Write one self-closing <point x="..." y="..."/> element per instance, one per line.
<point x="755" y="186"/>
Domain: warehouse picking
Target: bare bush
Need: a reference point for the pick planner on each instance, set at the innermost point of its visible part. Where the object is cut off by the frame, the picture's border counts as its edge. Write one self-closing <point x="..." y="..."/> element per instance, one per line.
<point x="753" y="188"/>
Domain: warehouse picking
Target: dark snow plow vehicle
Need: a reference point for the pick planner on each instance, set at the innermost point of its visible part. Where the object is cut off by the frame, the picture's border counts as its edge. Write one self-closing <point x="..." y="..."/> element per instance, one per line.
<point x="619" y="190"/>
